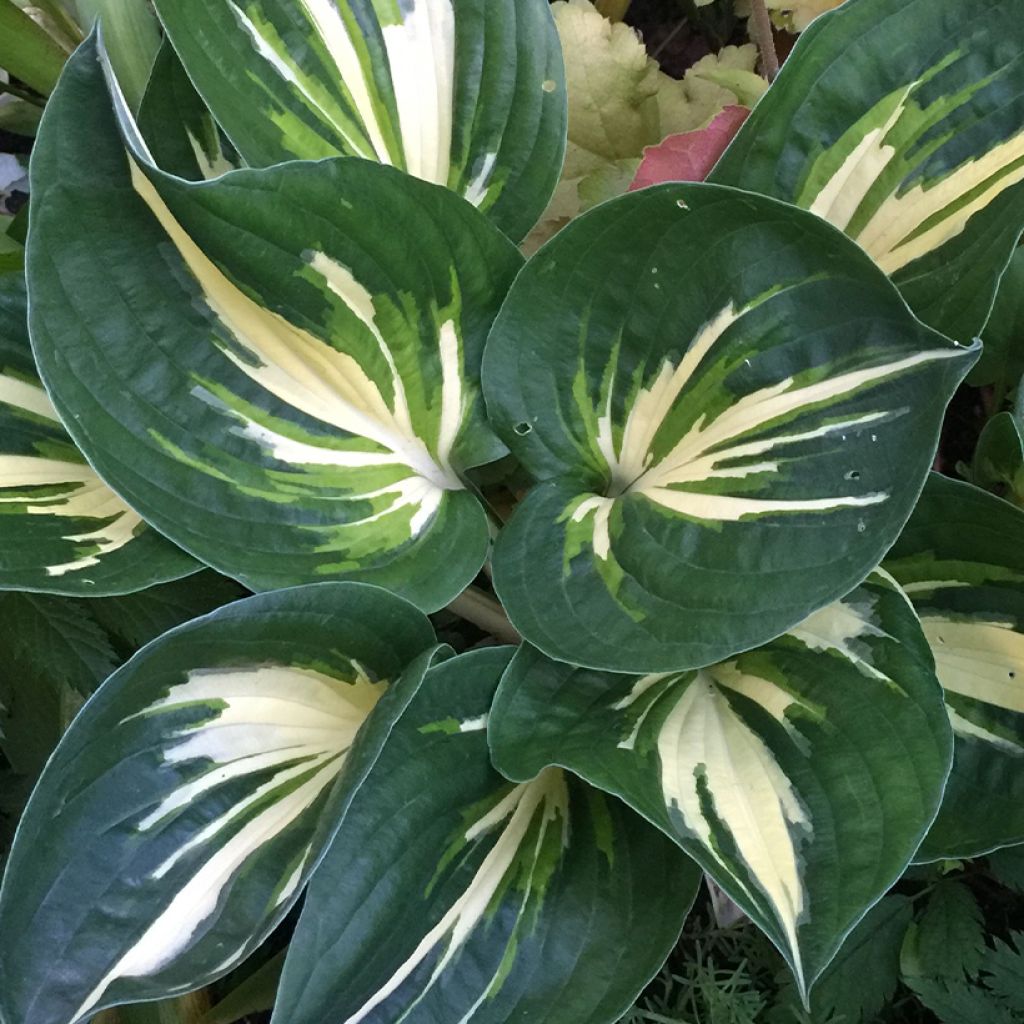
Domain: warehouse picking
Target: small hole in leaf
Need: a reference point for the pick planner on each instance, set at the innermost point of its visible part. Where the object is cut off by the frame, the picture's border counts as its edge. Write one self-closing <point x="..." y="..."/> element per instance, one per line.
<point x="854" y="474"/>
<point x="522" y="429"/>
<point x="549" y="85"/>
<point x="1013" y="675"/>
<point x="681" y="203"/>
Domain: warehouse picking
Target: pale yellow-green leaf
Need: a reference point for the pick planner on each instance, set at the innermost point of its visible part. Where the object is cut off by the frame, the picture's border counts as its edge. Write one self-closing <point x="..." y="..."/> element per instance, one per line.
<point x="714" y="82"/>
<point x="620" y="102"/>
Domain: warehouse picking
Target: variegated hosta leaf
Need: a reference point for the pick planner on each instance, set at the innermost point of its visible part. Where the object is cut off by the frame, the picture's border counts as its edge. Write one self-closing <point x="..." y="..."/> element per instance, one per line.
<point x="62" y="530"/>
<point x="452" y="895"/>
<point x="464" y="93"/>
<point x="916" y="150"/>
<point x="801" y="776"/>
<point x="961" y="562"/>
<point x="179" y="130"/>
<point x="730" y="412"/>
<point x="192" y="797"/>
<point x="278" y="369"/>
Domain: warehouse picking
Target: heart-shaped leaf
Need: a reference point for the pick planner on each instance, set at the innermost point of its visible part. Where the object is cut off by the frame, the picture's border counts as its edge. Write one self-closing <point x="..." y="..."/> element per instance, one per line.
<point x="188" y="803"/>
<point x="961" y="561"/>
<point x="802" y="776"/>
<point x="730" y="412"/>
<point x="464" y="93"/>
<point x="64" y="531"/>
<point x="475" y="899"/>
<point x="278" y="369"/>
<point x="902" y="122"/>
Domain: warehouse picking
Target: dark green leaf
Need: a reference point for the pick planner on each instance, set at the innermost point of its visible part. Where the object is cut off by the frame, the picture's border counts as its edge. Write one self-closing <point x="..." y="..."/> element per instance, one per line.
<point x="1004" y="971"/>
<point x="254" y="995"/>
<point x="961" y="562"/>
<point x="64" y="531"/>
<point x="464" y="93"/>
<point x="902" y="122"/>
<point x="135" y="620"/>
<point x="961" y="1003"/>
<point x="1002" y="360"/>
<point x="778" y="771"/>
<point x="1007" y="865"/>
<point x="267" y="370"/>
<point x="181" y="135"/>
<point x="950" y="938"/>
<point x="184" y="809"/>
<point x="864" y="975"/>
<point x="452" y="895"/>
<point x="999" y="458"/>
<point x="710" y="398"/>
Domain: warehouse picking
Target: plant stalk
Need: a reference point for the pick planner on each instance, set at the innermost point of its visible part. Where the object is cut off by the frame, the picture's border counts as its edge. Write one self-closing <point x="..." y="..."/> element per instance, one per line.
<point x="22" y="94"/>
<point x="761" y="30"/>
<point x="484" y="611"/>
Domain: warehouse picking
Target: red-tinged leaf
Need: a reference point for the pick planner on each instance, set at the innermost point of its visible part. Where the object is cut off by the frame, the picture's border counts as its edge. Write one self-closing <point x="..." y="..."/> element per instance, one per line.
<point x="691" y="155"/>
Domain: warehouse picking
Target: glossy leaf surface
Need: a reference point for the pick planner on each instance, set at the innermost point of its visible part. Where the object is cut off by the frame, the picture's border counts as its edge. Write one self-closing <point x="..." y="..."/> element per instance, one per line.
<point x="902" y="122"/>
<point x="709" y="387"/>
<point x="464" y="93"/>
<point x="802" y="776"/>
<point x="191" y="798"/>
<point x="469" y="898"/>
<point x="961" y="561"/>
<point x="278" y="368"/>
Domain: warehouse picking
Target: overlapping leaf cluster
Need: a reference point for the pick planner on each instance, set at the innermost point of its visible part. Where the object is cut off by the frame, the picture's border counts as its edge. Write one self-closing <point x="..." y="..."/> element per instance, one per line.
<point x="277" y="325"/>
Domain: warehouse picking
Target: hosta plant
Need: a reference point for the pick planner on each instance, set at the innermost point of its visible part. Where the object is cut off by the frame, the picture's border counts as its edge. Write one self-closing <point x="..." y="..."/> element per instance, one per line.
<point x="277" y="325"/>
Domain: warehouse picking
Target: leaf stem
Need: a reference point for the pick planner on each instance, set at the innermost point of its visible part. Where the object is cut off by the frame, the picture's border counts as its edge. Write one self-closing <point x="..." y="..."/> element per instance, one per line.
<point x="22" y="94"/>
<point x="656" y="53"/>
<point x="484" y="611"/>
<point x="761" y="31"/>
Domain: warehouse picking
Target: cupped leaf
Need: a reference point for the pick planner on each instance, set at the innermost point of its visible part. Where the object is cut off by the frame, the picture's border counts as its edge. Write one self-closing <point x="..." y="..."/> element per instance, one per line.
<point x="474" y="899"/>
<point x="64" y="531"/>
<point x="187" y="804"/>
<point x="278" y="368"/>
<point x="961" y="562"/>
<point x="916" y="151"/>
<point x="801" y="776"/>
<point x="1002" y="359"/>
<point x="179" y="131"/>
<point x="730" y="412"/>
<point x="464" y="93"/>
<point x="998" y="461"/>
